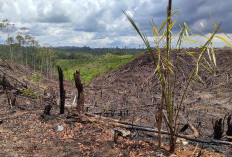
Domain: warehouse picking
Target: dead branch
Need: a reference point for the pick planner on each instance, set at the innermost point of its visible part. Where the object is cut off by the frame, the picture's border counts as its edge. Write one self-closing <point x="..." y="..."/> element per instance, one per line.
<point x="13" y="78"/>
<point x="142" y="128"/>
<point x="127" y="125"/>
<point x="8" y="65"/>
<point x="193" y="129"/>
<point x="7" y="85"/>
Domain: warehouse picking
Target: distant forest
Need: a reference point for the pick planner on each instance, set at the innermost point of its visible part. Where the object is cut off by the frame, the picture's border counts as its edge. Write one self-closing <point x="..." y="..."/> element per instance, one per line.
<point x="72" y="52"/>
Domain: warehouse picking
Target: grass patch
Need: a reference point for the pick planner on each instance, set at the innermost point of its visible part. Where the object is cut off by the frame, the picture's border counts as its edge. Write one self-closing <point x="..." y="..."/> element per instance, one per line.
<point x="94" y="66"/>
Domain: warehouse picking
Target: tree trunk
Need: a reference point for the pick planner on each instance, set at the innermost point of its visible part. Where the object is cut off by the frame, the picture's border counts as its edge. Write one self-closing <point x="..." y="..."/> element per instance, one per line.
<point x="172" y="141"/>
<point x="21" y="49"/>
<point x="50" y="66"/>
<point x="62" y="91"/>
<point x="26" y="55"/>
<point x="34" y="62"/>
<point x="12" y="51"/>
<point x="41" y="64"/>
<point x="47" y="62"/>
<point x="11" y="55"/>
<point x="80" y="97"/>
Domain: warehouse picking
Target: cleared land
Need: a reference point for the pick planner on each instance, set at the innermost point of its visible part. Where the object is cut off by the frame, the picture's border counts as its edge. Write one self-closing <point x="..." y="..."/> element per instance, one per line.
<point x="130" y="91"/>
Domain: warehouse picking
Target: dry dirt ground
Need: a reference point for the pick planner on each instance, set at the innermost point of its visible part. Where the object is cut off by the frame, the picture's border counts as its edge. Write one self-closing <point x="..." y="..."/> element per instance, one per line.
<point x="129" y="94"/>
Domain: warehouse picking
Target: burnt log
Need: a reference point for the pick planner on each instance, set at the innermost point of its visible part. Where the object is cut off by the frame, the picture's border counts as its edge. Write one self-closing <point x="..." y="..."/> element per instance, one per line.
<point x="62" y="91"/>
<point x="129" y="126"/>
<point x="80" y="90"/>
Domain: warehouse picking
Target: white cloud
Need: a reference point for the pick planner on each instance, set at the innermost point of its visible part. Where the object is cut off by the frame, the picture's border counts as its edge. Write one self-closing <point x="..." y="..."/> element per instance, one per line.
<point x="101" y="23"/>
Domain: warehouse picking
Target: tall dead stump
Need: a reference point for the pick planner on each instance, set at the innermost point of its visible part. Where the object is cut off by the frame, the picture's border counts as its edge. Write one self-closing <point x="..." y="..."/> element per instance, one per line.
<point x="229" y="128"/>
<point x="62" y="91"/>
<point x="218" y="129"/>
<point x="80" y="89"/>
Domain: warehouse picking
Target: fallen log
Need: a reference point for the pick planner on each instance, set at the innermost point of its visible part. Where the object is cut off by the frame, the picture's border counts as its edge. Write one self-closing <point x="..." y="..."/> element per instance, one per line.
<point x="208" y="141"/>
<point x="127" y="125"/>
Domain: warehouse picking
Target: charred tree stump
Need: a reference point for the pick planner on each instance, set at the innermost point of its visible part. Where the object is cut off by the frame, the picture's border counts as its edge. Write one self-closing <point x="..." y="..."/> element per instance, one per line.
<point x="218" y="129"/>
<point x="80" y="89"/>
<point x="47" y="109"/>
<point x="229" y="128"/>
<point x="62" y="91"/>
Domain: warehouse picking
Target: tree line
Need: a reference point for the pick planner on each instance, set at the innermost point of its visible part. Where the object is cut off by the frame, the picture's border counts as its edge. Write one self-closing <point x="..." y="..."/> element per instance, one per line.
<point x="21" y="46"/>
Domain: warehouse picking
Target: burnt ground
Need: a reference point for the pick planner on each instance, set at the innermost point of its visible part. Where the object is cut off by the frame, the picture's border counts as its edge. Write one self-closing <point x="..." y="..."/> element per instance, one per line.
<point x="130" y="94"/>
<point x="133" y="94"/>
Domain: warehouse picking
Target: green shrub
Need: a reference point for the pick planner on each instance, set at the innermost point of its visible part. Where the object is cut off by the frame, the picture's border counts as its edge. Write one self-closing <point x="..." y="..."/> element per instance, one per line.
<point x="29" y="92"/>
<point x="36" y="77"/>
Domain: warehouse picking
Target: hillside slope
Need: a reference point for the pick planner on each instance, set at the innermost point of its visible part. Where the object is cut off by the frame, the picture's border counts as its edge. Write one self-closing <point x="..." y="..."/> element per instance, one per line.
<point x="131" y="93"/>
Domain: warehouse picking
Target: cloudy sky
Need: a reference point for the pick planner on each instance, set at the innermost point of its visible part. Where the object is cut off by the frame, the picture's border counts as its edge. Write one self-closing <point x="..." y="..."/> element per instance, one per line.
<point x="101" y="23"/>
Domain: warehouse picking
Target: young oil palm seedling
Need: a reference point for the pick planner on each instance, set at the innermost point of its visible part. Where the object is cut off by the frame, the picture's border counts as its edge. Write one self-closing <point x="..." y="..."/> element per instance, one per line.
<point x="167" y="62"/>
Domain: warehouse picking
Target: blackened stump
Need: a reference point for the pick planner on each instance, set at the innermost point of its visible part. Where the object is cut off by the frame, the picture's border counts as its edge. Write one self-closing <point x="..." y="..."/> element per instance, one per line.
<point x="47" y="109"/>
<point x="229" y="128"/>
<point x="80" y="89"/>
<point x="62" y="91"/>
<point x="218" y="129"/>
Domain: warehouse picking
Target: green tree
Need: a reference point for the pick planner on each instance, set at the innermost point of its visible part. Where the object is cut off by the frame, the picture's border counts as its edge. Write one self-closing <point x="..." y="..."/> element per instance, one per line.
<point x="10" y="42"/>
<point x="27" y="42"/>
<point x="8" y="28"/>
<point x="35" y="46"/>
<point x="20" y="40"/>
